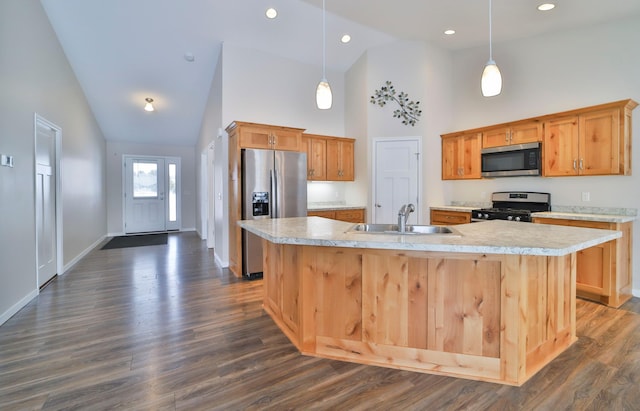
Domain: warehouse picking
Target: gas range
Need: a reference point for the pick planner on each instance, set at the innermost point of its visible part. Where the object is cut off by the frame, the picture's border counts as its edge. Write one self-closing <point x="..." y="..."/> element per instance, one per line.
<point x="513" y="206"/>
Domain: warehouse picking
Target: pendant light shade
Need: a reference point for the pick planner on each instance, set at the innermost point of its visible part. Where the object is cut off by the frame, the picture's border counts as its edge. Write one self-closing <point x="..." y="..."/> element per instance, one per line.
<point x="149" y="105"/>
<point x="324" y="98"/>
<point x="491" y="82"/>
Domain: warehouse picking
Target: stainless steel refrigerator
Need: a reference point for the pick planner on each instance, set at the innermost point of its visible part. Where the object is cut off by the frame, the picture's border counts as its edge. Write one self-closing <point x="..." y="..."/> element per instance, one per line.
<point x="274" y="185"/>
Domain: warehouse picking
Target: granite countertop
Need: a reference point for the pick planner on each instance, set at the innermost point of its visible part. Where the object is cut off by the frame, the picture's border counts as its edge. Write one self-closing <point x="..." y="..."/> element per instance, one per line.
<point x="489" y="237"/>
<point x="607" y="218"/>
<point x="336" y="206"/>
<point x="624" y="216"/>
<point x="465" y="209"/>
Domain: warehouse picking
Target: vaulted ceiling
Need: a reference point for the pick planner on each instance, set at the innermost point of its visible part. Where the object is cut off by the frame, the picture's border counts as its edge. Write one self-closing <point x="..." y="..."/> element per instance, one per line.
<point x="123" y="51"/>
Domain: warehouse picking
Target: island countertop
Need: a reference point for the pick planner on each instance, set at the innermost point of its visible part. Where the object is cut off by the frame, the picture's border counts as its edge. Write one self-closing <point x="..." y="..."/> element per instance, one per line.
<point x="489" y="237"/>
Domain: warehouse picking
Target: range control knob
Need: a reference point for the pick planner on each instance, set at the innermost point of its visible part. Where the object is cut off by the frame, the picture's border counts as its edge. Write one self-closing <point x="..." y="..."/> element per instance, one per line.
<point x="486" y="216"/>
<point x="509" y="217"/>
<point x="517" y="218"/>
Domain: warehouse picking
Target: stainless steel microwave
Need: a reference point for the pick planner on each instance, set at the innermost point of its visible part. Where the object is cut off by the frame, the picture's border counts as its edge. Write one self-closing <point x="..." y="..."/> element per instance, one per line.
<point x="511" y="161"/>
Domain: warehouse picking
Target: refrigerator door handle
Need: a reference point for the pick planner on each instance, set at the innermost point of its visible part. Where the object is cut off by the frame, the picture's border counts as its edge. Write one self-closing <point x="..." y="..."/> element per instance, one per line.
<point x="274" y="193"/>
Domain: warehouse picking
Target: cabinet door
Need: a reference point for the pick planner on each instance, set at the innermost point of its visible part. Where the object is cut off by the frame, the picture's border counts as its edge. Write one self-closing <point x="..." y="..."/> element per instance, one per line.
<point x="526" y="133"/>
<point x="347" y="161"/>
<point x="340" y="160"/>
<point x="253" y="137"/>
<point x="445" y="217"/>
<point x="271" y="254"/>
<point x="322" y="213"/>
<point x="560" y="147"/>
<point x="451" y="158"/>
<point x="316" y="158"/>
<point x="351" y="216"/>
<point x="470" y="161"/>
<point x="495" y="138"/>
<point x="599" y="143"/>
<point x="288" y="140"/>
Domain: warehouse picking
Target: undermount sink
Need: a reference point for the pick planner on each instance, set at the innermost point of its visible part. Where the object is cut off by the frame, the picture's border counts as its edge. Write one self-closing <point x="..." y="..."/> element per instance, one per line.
<point x="393" y="229"/>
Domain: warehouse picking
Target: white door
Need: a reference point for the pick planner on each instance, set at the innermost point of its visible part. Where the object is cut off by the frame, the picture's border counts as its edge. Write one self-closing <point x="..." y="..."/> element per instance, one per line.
<point x="396" y="178"/>
<point x="46" y="234"/>
<point x="144" y="195"/>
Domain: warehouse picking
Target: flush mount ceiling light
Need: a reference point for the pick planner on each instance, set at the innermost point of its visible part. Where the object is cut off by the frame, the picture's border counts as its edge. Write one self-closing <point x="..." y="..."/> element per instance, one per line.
<point x="149" y="105"/>
<point x="546" y="6"/>
<point x="449" y="32"/>
<point x="324" y="97"/>
<point x="271" y="13"/>
<point x="491" y="78"/>
<point x="345" y="38"/>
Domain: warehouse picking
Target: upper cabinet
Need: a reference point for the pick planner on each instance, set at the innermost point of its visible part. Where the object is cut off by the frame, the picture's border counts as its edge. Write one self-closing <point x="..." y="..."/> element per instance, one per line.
<point x="519" y="133"/>
<point x="329" y="158"/>
<point x="252" y="135"/>
<point x="595" y="141"/>
<point x="316" y="147"/>
<point x="340" y="159"/>
<point x="461" y="156"/>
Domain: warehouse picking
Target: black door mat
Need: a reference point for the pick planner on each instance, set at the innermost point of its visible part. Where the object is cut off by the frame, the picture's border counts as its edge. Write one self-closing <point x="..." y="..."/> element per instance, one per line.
<point x="136" y="241"/>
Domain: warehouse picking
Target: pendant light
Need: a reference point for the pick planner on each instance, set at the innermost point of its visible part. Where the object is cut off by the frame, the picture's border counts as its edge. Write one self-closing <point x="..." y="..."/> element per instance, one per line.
<point x="149" y="105"/>
<point x="491" y="77"/>
<point x="323" y="91"/>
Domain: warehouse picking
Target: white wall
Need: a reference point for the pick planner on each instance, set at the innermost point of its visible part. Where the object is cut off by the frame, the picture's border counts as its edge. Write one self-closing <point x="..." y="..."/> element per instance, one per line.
<point x="424" y="73"/>
<point x="116" y="150"/>
<point x="547" y="74"/>
<point x="263" y="88"/>
<point x="36" y="77"/>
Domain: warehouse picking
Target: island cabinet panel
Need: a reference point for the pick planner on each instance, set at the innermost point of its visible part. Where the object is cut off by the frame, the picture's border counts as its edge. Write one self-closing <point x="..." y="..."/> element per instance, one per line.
<point x="488" y="317"/>
<point x="337" y="279"/>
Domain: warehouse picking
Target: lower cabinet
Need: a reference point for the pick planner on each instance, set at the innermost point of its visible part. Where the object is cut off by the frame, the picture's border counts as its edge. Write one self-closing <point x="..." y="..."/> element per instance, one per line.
<point x="355" y="215"/>
<point x="447" y="217"/>
<point x="603" y="271"/>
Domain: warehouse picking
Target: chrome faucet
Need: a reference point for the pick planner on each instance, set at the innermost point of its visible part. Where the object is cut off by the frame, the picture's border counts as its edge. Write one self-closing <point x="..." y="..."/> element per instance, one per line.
<point x="403" y="216"/>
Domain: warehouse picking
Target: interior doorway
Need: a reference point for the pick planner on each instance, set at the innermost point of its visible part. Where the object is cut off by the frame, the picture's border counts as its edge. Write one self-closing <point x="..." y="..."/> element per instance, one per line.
<point x="48" y="204"/>
<point x="396" y="178"/>
<point x="151" y="194"/>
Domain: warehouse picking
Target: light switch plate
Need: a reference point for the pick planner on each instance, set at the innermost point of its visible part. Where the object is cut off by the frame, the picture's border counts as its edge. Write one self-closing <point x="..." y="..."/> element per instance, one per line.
<point x="6" y="160"/>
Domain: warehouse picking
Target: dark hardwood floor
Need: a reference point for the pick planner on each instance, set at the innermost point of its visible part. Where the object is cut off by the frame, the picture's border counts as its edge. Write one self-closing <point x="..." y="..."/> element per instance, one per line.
<point x="165" y="328"/>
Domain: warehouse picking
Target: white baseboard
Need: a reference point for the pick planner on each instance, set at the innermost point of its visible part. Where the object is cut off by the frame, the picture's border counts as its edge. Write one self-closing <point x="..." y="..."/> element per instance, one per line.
<point x="635" y="292"/>
<point x="18" y="306"/>
<point x="221" y="263"/>
<point x="86" y="251"/>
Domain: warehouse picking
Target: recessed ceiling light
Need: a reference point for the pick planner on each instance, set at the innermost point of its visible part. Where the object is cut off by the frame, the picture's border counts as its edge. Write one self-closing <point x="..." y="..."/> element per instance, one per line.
<point x="449" y="32"/>
<point x="546" y="6"/>
<point x="271" y="13"/>
<point x="189" y="57"/>
<point x="345" y="38"/>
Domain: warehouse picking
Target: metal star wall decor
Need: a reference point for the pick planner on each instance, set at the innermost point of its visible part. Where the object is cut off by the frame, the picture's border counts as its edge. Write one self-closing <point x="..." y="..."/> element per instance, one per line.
<point x="409" y="111"/>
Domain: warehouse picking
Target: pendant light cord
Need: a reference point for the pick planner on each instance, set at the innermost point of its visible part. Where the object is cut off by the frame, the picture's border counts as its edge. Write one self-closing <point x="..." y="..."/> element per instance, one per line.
<point x="490" y="41"/>
<point x="324" y="40"/>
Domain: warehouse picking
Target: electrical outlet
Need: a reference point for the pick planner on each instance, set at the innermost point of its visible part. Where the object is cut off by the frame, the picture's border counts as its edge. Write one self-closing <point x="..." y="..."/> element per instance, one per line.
<point x="586" y="196"/>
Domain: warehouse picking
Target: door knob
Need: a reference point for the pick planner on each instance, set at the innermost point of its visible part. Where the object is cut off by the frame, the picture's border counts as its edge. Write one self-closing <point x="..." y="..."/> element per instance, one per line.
<point x="378" y="205"/>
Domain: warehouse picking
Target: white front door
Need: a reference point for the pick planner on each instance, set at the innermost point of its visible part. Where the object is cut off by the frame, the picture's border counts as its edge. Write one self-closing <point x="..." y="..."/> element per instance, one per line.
<point x="144" y="195"/>
<point x="46" y="230"/>
<point x="396" y="178"/>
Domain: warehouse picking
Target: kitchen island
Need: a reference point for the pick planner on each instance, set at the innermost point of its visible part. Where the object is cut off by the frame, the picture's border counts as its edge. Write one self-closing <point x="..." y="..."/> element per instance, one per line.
<point x="494" y="301"/>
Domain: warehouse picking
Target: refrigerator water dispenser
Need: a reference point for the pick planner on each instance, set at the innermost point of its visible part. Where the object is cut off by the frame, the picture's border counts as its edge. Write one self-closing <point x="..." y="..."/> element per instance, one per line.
<point x="260" y="203"/>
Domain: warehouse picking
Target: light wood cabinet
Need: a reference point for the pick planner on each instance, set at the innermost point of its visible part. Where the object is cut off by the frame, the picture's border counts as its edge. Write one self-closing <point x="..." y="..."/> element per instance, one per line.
<point x="520" y="133"/>
<point x="316" y="148"/>
<point x="329" y="158"/>
<point x="461" y="156"/>
<point x="250" y="135"/>
<point x="340" y="159"/>
<point x="356" y="215"/>
<point x="268" y="137"/>
<point x="594" y="141"/>
<point x="603" y="271"/>
<point x="449" y="217"/>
